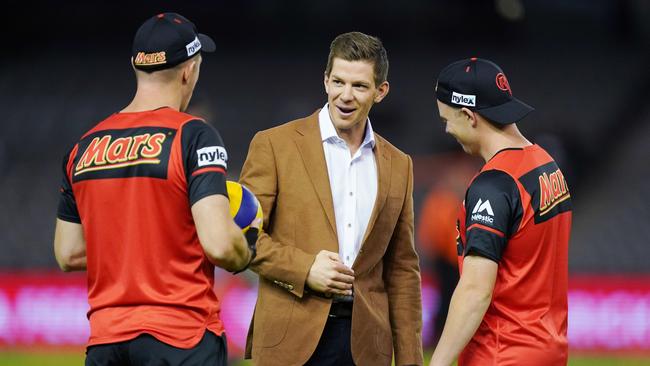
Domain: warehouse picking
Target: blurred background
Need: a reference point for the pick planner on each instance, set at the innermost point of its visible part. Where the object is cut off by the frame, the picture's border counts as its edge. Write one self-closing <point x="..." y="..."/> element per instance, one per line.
<point x="583" y="64"/>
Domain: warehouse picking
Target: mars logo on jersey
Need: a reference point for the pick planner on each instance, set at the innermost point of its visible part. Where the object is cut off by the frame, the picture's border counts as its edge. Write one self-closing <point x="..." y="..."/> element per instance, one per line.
<point x="553" y="190"/>
<point x="134" y="152"/>
<point x="548" y="190"/>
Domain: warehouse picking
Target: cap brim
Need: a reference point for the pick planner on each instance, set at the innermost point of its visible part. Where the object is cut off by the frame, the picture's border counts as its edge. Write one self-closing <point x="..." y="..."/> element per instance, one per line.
<point x="506" y="113"/>
<point x="207" y="44"/>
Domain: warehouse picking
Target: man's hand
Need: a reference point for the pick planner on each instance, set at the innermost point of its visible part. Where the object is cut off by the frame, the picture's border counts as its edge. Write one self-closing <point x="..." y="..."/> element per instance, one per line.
<point x="329" y="275"/>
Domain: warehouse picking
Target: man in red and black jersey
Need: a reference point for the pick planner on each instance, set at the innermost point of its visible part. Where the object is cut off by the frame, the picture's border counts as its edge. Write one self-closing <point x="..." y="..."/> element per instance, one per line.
<point x="510" y="305"/>
<point x="144" y="209"/>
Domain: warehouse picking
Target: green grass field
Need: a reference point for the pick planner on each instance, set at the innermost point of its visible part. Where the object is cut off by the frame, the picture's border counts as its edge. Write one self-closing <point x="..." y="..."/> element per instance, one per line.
<point x="12" y="358"/>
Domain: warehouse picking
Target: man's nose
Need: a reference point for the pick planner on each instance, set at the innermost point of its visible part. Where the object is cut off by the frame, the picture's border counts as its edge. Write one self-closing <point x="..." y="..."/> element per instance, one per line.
<point x="346" y="95"/>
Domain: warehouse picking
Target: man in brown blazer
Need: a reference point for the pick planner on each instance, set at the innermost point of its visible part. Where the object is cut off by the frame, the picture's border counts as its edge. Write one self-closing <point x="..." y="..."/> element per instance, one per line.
<point x="339" y="275"/>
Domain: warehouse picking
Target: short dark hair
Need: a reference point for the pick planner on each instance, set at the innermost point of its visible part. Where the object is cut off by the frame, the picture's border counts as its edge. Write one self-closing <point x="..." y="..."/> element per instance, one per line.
<point x="356" y="46"/>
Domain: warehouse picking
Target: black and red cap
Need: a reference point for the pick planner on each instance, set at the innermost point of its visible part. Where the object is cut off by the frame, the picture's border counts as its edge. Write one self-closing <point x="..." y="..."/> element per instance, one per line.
<point x="165" y="40"/>
<point x="481" y="86"/>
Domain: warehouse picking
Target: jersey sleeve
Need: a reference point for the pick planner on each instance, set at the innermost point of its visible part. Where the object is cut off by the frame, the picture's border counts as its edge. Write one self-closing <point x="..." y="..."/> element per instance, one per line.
<point x="67" y="209"/>
<point x="206" y="160"/>
<point x="493" y="211"/>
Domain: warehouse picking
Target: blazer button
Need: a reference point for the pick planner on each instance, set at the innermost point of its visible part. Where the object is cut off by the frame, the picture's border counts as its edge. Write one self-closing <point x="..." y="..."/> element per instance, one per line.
<point x="290" y="287"/>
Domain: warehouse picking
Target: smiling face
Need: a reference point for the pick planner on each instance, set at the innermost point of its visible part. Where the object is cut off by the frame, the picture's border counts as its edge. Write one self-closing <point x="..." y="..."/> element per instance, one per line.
<point x="460" y="123"/>
<point x="351" y="92"/>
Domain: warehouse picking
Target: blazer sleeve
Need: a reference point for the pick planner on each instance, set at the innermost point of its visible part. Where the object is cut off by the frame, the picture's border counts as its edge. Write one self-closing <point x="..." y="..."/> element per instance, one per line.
<point x="285" y="265"/>
<point x="402" y="279"/>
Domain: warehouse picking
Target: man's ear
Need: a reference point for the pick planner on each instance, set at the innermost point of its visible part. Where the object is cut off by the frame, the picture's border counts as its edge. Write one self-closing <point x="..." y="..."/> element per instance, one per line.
<point x="325" y="80"/>
<point x="470" y="115"/>
<point x="187" y="71"/>
<point x="382" y="91"/>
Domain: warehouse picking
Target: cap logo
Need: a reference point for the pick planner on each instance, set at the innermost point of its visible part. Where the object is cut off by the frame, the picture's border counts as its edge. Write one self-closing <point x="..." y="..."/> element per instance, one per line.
<point x="463" y="99"/>
<point x="193" y="47"/>
<point x="502" y="83"/>
<point x="148" y="59"/>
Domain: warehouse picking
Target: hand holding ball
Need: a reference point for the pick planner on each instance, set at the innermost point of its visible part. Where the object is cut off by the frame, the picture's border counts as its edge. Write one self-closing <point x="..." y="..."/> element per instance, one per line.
<point x="244" y="206"/>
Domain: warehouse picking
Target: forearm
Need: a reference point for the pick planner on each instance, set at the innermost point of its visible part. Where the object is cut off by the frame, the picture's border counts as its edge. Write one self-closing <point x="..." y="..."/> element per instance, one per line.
<point x="466" y="310"/>
<point x="285" y="263"/>
<point x="69" y="246"/>
<point x="232" y="256"/>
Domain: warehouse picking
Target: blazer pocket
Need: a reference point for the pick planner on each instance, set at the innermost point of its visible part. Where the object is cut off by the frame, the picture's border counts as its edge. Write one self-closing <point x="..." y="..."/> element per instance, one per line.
<point x="383" y="333"/>
<point x="274" y="322"/>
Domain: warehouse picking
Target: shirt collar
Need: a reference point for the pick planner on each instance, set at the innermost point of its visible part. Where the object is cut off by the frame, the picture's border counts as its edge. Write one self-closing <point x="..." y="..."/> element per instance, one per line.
<point x="328" y="132"/>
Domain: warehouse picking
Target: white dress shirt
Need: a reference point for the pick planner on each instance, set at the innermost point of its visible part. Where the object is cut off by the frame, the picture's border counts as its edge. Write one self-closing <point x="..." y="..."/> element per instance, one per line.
<point x="353" y="181"/>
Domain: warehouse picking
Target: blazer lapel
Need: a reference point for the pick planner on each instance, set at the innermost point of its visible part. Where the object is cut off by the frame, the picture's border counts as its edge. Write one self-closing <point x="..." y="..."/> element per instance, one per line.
<point x="383" y="161"/>
<point x="310" y="145"/>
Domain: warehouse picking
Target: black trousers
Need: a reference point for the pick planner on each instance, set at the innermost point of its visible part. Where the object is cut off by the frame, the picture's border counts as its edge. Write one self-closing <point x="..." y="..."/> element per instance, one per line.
<point x="146" y="350"/>
<point x="334" y="347"/>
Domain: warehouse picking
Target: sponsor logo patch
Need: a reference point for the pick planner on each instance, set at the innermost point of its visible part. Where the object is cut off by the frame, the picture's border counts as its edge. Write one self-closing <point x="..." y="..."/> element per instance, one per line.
<point x="548" y="190"/>
<point x="553" y="190"/>
<point x="212" y="155"/>
<point x="107" y="152"/>
<point x="483" y="206"/>
<point x="463" y="99"/>
<point x="193" y="47"/>
<point x="502" y="83"/>
<point x="147" y="59"/>
<point x="124" y="153"/>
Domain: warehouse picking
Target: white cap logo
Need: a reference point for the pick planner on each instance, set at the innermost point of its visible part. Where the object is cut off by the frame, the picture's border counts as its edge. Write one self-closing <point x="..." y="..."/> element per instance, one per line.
<point x="193" y="47"/>
<point x="463" y="99"/>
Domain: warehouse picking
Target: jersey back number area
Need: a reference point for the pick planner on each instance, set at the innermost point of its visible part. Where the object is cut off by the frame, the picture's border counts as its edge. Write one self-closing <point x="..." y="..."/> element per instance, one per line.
<point x="124" y="153"/>
<point x="548" y="190"/>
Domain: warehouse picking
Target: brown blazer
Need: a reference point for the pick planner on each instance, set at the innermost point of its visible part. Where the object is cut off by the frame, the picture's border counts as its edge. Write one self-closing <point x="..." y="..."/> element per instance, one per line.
<point x="286" y="170"/>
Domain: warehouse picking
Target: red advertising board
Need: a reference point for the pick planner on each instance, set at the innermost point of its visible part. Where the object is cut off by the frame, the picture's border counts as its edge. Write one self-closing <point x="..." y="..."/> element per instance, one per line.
<point x="48" y="309"/>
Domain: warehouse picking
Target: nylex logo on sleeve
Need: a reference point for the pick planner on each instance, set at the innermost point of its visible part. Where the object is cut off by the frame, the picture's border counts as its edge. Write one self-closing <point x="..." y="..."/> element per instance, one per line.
<point x="479" y="208"/>
<point x="193" y="47"/>
<point x="463" y="99"/>
<point x="212" y="155"/>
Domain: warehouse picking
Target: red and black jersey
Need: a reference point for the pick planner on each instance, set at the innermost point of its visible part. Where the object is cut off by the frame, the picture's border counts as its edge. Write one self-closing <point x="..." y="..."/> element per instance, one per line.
<point x="131" y="182"/>
<point x="517" y="212"/>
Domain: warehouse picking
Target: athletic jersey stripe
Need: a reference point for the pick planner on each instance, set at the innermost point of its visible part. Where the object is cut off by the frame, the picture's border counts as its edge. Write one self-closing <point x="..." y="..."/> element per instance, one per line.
<point x="486" y="228"/>
<point x="207" y="170"/>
